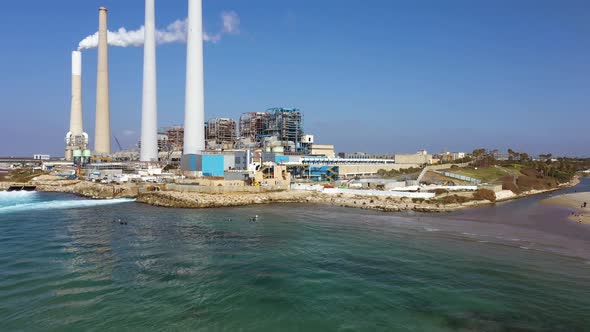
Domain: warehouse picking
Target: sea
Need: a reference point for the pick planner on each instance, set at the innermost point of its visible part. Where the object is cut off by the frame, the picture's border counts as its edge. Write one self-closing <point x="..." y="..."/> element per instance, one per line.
<point x="68" y="263"/>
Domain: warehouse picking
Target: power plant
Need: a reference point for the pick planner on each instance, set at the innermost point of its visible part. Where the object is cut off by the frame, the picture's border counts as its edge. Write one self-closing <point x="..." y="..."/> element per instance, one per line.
<point x="198" y="149"/>
<point x="261" y="152"/>
<point x="149" y="116"/>
<point x="102" y="133"/>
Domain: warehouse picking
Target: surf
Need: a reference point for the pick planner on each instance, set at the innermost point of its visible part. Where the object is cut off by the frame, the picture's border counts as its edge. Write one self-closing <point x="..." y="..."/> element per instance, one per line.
<point x="20" y="202"/>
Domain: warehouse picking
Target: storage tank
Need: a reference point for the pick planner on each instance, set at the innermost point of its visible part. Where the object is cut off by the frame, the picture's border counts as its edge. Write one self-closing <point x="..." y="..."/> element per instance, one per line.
<point x="278" y="149"/>
<point x="86" y="154"/>
<point x="77" y="156"/>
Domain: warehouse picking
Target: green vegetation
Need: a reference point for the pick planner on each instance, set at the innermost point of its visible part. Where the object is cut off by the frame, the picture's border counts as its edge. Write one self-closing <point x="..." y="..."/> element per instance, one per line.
<point x="520" y="172"/>
<point x="486" y="174"/>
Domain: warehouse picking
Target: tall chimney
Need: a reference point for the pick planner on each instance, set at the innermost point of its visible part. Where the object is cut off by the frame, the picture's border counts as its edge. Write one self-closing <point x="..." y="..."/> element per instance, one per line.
<point x="76" y="138"/>
<point x="76" y="128"/>
<point x="102" y="133"/>
<point x="194" y="112"/>
<point x="149" y="115"/>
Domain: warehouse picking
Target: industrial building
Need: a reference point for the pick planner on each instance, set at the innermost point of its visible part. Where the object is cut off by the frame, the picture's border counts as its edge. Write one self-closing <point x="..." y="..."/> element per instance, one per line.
<point x="262" y="148"/>
<point x="286" y="125"/>
<point x="253" y="127"/>
<point x="220" y="133"/>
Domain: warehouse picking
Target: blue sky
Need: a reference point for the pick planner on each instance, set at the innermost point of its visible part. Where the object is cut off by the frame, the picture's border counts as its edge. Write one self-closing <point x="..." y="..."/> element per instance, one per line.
<point x="375" y="75"/>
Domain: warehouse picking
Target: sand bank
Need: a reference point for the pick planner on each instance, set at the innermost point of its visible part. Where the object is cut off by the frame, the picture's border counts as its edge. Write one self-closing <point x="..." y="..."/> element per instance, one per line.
<point x="574" y="201"/>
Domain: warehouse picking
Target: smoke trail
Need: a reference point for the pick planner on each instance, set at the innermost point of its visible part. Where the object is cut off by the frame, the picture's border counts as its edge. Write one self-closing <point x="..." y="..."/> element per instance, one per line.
<point x="173" y="33"/>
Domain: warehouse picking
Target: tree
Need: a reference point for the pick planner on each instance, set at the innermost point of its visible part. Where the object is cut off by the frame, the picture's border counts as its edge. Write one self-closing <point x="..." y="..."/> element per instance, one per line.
<point x="478" y="153"/>
<point x="512" y="154"/>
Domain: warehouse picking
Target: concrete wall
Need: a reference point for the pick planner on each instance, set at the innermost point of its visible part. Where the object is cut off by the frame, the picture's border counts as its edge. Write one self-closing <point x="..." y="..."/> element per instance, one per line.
<point x="445" y="166"/>
<point x="370" y="169"/>
<point x="222" y="189"/>
<point x="241" y="176"/>
<point x="325" y="150"/>
<point x="413" y="159"/>
<point x="241" y="160"/>
<point x="229" y="161"/>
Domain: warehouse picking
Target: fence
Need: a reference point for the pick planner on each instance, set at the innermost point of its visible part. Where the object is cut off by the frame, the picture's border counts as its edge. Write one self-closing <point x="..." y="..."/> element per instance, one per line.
<point x="459" y="177"/>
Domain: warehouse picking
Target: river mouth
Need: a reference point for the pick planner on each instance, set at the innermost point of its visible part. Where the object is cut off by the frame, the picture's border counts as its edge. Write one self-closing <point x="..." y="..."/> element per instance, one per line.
<point x="297" y="267"/>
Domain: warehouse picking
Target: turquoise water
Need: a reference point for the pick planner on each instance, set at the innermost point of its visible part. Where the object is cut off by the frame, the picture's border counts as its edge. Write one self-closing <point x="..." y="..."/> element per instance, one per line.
<point x="65" y="265"/>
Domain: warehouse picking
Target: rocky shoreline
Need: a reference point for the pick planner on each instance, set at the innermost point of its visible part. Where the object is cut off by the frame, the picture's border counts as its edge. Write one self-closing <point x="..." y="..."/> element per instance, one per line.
<point x="173" y="199"/>
<point x="176" y="199"/>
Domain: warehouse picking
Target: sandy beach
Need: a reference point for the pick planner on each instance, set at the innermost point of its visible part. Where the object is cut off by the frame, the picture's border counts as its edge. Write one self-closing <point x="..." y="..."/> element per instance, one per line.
<point x="574" y="201"/>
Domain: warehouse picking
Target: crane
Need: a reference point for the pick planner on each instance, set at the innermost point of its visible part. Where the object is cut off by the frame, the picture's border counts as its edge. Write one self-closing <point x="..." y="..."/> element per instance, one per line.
<point x="118" y="144"/>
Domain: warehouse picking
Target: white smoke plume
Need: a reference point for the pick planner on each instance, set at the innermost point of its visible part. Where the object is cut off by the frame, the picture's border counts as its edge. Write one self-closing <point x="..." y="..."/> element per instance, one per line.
<point x="173" y="33"/>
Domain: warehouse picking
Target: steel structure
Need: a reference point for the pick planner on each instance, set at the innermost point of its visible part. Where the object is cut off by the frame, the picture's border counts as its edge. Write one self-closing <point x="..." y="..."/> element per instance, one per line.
<point x="286" y="125"/>
<point x="253" y="125"/>
<point x="221" y="131"/>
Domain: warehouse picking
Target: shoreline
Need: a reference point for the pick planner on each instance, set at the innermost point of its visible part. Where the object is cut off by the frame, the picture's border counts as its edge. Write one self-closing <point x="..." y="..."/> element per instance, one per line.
<point x="190" y="200"/>
<point x="575" y="202"/>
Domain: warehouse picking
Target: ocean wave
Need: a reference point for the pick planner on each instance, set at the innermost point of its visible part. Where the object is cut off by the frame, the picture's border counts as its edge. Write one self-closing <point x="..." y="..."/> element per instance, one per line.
<point x="16" y="197"/>
<point x="62" y="204"/>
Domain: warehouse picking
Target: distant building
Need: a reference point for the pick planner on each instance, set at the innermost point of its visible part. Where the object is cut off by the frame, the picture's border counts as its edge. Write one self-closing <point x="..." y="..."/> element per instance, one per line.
<point x="420" y="157"/>
<point x="364" y="155"/>
<point x="221" y="133"/>
<point x="41" y="157"/>
<point x="322" y="150"/>
<point x="175" y="137"/>
<point x="446" y="157"/>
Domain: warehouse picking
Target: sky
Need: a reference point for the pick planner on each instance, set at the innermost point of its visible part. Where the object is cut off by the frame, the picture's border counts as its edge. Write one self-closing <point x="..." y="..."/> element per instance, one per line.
<point x="381" y="76"/>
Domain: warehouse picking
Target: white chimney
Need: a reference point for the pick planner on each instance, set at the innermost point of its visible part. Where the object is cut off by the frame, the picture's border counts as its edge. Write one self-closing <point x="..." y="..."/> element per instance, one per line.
<point x="76" y="128"/>
<point x="194" y="113"/>
<point x="149" y="113"/>
<point x="102" y="134"/>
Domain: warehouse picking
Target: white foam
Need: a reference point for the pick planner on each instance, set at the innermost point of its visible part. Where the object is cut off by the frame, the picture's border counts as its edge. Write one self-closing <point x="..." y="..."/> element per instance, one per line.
<point x="9" y="195"/>
<point x="16" y="197"/>
<point x="62" y="204"/>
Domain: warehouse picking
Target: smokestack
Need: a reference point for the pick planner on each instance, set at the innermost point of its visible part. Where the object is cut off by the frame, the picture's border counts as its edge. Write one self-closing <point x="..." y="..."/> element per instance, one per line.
<point x="102" y="133"/>
<point x="76" y="128"/>
<point x="149" y="115"/>
<point x="194" y="113"/>
<point x="76" y="138"/>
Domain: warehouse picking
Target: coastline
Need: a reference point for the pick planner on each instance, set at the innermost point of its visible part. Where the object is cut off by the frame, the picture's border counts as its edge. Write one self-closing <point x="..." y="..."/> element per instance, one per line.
<point x="575" y="202"/>
<point x="191" y="200"/>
